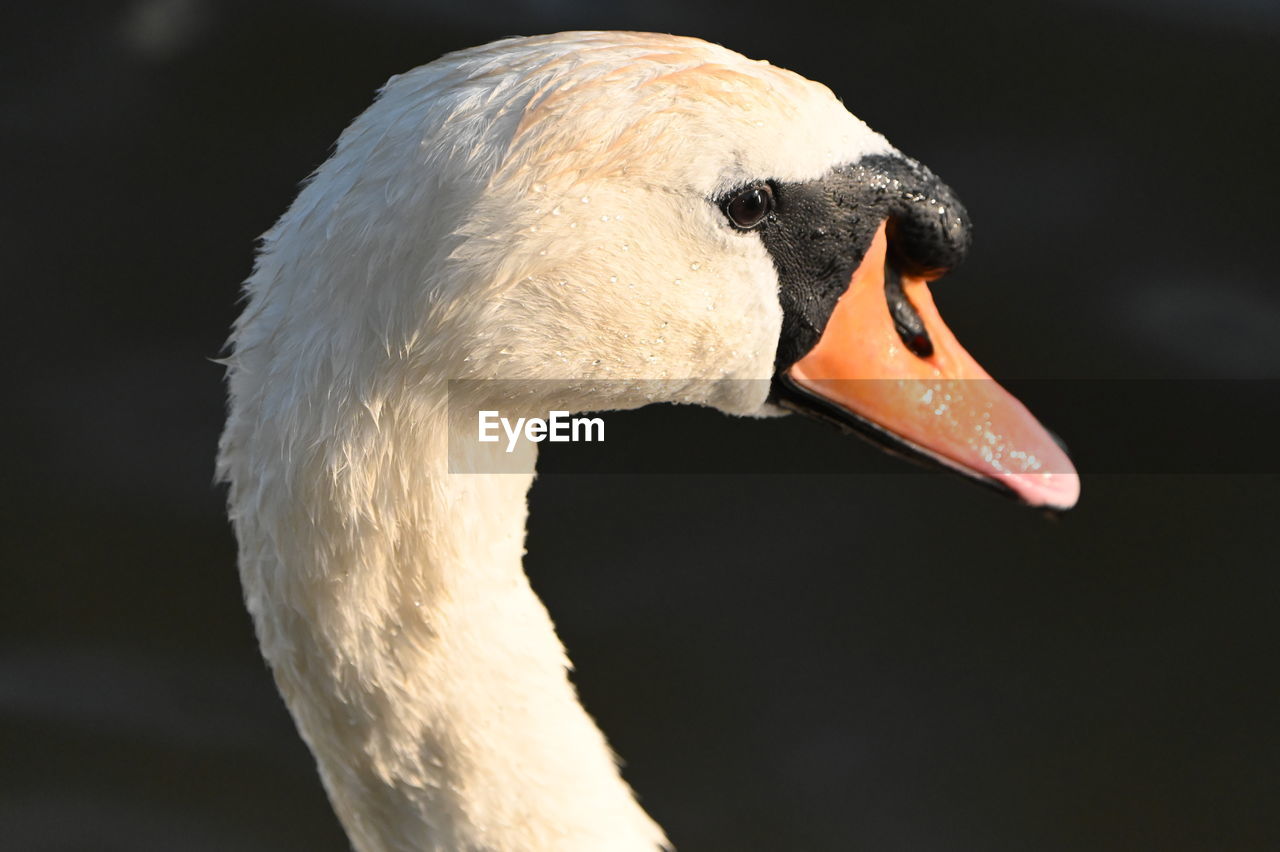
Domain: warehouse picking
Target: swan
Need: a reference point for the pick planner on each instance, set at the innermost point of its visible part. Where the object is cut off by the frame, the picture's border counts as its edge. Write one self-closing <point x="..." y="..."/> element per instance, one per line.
<point x="601" y="220"/>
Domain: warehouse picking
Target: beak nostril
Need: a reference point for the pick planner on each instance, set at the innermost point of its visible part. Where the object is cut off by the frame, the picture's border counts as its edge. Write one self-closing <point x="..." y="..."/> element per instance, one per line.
<point x="906" y="321"/>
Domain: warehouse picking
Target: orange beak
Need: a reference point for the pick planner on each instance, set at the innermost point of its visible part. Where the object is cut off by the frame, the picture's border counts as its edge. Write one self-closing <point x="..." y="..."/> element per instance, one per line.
<point x="935" y="401"/>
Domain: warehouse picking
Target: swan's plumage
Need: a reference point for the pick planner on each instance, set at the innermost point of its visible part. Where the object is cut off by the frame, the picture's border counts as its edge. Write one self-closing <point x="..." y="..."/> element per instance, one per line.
<point x="531" y="209"/>
<point x="474" y="169"/>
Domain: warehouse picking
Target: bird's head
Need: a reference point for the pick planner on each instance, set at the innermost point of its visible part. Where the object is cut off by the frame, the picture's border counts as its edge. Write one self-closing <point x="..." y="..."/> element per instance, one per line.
<point x="625" y="212"/>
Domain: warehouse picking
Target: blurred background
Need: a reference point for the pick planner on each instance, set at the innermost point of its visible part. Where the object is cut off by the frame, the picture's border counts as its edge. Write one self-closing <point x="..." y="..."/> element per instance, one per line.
<point x="884" y="660"/>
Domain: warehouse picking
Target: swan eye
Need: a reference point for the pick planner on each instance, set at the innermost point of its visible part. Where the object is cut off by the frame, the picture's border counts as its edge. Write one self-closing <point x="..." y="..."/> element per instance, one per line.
<point x="748" y="208"/>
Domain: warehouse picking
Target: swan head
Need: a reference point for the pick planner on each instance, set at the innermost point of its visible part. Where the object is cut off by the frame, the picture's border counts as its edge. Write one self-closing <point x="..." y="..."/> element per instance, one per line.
<point x="609" y="219"/>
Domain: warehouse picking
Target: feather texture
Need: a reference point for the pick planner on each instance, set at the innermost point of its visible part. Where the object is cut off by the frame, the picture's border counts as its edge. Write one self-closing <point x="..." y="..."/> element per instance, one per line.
<point x="531" y="209"/>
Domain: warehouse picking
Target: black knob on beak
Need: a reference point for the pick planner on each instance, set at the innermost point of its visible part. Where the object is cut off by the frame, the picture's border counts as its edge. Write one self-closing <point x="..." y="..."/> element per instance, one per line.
<point x="929" y="229"/>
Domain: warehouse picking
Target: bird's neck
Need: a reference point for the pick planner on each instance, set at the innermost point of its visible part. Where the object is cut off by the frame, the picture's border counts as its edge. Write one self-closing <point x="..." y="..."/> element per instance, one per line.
<point x="418" y="663"/>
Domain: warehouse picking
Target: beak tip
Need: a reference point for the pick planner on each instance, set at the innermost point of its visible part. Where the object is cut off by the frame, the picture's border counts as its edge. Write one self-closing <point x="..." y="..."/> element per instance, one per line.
<point x="1056" y="491"/>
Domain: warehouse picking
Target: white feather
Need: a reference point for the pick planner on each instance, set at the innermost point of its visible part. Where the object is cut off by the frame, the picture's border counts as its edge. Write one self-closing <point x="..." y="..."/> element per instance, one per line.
<point x="526" y="210"/>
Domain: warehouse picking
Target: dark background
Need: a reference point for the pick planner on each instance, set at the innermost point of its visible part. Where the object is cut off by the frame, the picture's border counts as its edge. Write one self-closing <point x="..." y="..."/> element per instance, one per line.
<point x="882" y="661"/>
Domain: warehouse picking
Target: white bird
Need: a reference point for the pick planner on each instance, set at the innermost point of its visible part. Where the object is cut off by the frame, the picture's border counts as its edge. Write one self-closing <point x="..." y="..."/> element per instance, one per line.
<point x="598" y="220"/>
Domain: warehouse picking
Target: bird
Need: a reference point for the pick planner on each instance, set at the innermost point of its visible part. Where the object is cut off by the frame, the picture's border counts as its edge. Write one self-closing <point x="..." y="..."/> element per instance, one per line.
<point x="583" y="221"/>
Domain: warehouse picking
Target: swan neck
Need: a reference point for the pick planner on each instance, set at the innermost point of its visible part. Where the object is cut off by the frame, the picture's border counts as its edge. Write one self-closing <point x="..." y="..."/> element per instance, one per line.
<point x="418" y="663"/>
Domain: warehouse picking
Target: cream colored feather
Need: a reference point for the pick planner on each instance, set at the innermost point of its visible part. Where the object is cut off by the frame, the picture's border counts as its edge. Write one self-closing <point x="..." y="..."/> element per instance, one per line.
<point x="531" y="209"/>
